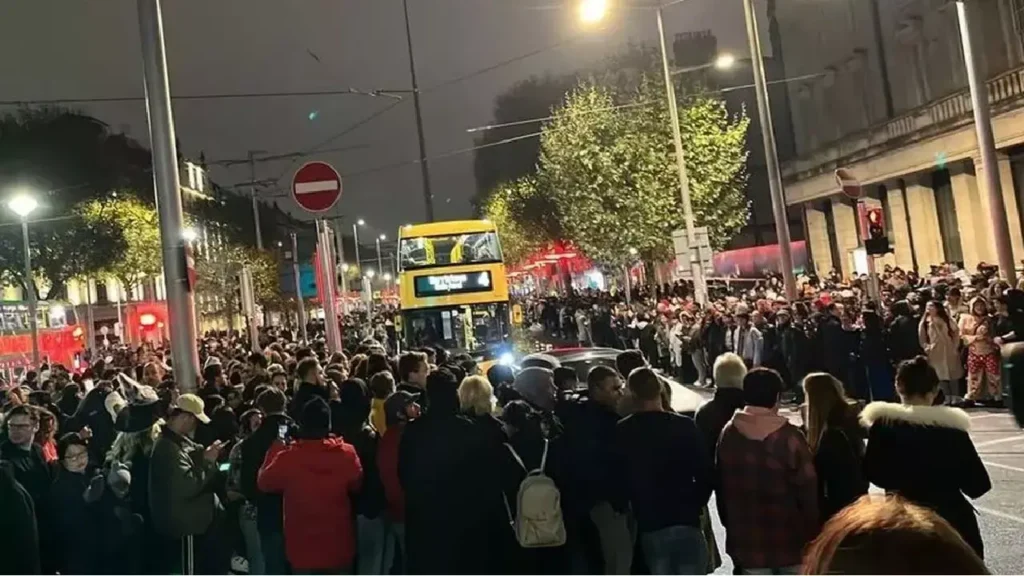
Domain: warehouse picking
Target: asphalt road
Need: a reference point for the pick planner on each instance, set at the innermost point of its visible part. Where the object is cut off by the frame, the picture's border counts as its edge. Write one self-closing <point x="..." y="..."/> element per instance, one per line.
<point x="1000" y="442"/>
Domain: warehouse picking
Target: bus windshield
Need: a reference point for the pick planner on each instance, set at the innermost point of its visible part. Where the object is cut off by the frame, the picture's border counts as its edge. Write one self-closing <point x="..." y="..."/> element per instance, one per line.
<point x="469" y="327"/>
<point x="449" y="250"/>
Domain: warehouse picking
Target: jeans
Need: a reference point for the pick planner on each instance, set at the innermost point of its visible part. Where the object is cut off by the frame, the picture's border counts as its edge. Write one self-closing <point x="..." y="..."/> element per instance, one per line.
<point x="394" y="552"/>
<point x="675" y="550"/>
<point x="251" y="537"/>
<point x="371" y="542"/>
<point x="274" y="559"/>
<point x="616" y="538"/>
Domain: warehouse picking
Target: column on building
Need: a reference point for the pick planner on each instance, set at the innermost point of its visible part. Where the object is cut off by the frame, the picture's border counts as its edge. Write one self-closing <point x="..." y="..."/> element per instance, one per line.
<point x="899" y="239"/>
<point x="1010" y="203"/>
<point x="844" y="214"/>
<point x="817" y="238"/>
<point x="924" y="221"/>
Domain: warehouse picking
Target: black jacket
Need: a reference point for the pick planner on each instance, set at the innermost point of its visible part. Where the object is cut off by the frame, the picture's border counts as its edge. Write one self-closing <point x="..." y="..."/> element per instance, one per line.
<point x="269" y="507"/>
<point x="903" y="340"/>
<point x="836" y="346"/>
<point x="439" y="468"/>
<point x="76" y="524"/>
<point x="665" y="469"/>
<point x="305" y="392"/>
<point x="712" y="417"/>
<point x="590" y="455"/>
<point x="840" y="473"/>
<point x="925" y="454"/>
<point x="369" y="501"/>
<point x="19" y="534"/>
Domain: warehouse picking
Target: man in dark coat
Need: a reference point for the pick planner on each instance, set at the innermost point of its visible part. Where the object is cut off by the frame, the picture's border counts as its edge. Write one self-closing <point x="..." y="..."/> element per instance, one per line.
<point x="311" y="384"/>
<point x="438" y="470"/>
<point x="714" y="414"/>
<point x="19" y="534"/>
<point x="835" y="343"/>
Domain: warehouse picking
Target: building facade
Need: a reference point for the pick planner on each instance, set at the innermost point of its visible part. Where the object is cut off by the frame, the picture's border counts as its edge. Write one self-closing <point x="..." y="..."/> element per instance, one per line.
<point x="886" y="98"/>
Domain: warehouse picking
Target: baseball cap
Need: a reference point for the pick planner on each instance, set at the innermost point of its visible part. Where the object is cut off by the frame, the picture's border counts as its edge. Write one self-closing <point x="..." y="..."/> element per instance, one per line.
<point x="395" y="406"/>
<point x="194" y="405"/>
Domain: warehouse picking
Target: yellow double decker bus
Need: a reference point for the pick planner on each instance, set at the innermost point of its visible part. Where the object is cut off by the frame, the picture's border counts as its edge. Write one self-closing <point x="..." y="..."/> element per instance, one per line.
<point x="453" y="289"/>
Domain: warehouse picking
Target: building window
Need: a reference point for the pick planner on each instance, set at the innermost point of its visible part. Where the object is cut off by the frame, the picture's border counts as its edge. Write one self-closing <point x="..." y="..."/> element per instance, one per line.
<point x="945" y="208"/>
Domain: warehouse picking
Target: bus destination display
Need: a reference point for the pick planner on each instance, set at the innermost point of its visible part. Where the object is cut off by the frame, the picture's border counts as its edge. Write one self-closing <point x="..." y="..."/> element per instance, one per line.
<point x="444" y="284"/>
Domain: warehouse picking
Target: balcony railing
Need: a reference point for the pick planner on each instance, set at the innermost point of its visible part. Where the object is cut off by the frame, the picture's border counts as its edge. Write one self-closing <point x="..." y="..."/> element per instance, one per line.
<point x="1004" y="92"/>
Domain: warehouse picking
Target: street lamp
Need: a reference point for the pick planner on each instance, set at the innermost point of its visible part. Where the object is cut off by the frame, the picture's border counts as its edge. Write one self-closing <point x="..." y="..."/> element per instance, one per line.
<point x="725" y="61"/>
<point x="380" y="263"/>
<point x="355" y="239"/>
<point x="190" y="235"/>
<point x="23" y="204"/>
<point x="370" y="273"/>
<point x="593" y="11"/>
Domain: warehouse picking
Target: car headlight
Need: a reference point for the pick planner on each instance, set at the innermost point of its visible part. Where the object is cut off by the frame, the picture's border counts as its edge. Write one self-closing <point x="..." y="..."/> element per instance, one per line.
<point x="506" y="359"/>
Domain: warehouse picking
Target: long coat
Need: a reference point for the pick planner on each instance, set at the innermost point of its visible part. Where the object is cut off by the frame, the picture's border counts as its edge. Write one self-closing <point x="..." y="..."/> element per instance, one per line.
<point x="941" y="342"/>
<point x="925" y="454"/>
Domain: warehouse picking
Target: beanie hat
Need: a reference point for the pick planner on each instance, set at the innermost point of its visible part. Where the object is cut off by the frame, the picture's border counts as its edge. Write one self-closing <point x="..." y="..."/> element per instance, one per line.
<point x="315" y="419"/>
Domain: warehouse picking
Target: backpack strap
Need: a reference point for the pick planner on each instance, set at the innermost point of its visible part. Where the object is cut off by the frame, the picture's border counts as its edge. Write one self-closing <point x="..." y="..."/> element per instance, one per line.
<point x="520" y="460"/>
<point x="543" y="458"/>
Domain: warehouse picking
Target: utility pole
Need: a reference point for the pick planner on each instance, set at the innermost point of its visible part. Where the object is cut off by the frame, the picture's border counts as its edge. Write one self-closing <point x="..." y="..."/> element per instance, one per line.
<point x="255" y="204"/>
<point x="301" y="308"/>
<point x="340" y="242"/>
<point x="180" y="306"/>
<point x="883" y="65"/>
<point x="987" y="148"/>
<point x="428" y="196"/>
<point x="771" y="153"/>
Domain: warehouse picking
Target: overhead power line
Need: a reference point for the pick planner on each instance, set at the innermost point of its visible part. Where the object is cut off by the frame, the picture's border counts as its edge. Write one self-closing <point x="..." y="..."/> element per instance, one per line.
<point x="224" y="96"/>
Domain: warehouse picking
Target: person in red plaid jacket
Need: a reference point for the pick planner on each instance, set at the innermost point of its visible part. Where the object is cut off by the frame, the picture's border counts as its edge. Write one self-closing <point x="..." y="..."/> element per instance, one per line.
<point x="767" y="485"/>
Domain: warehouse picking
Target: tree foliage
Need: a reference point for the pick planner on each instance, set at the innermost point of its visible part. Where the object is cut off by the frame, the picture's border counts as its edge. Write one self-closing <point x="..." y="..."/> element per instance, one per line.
<point x="139" y="249"/>
<point x="520" y="236"/>
<point x="607" y="163"/>
<point x="217" y="279"/>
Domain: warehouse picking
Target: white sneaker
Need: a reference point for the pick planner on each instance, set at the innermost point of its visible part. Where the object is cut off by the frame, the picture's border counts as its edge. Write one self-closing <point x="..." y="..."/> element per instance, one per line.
<point x="239" y="565"/>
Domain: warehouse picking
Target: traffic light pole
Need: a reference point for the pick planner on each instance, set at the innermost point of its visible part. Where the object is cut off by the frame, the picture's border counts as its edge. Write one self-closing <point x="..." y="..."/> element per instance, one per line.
<point x="180" y="306"/>
<point x="301" y="308"/>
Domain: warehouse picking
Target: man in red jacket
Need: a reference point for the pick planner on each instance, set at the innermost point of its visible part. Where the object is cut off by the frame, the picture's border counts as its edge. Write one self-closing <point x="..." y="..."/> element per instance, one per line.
<point x="317" y="474"/>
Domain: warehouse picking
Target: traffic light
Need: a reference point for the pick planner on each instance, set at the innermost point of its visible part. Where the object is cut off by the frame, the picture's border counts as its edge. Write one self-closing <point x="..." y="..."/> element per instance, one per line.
<point x="876" y="242"/>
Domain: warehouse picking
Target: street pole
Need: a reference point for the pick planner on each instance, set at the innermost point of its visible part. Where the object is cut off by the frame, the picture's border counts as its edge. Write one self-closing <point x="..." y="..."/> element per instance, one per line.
<point x="428" y="197"/>
<point x="696" y="267"/>
<point x="380" y="261"/>
<point x="255" y="204"/>
<point x="181" y="309"/>
<point x="770" y="152"/>
<point x="987" y="148"/>
<point x="91" y="332"/>
<point x="341" y="265"/>
<point x="355" y="237"/>
<point x="298" y="288"/>
<point x="327" y="278"/>
<point x="30" y="289"/>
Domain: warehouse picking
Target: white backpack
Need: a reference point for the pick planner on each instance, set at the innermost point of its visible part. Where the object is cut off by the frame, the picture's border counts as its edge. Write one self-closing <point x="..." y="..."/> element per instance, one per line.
<point x="538" y="521"/>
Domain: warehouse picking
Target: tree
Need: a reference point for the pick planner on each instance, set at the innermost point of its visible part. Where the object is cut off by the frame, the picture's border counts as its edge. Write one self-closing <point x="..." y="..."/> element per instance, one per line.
<point x="64" y="158"/>
<point x="519" y="236"/>
<point x="139" y="255"/>
<point x="217" y="279"/>
<point x="608" y="165"/>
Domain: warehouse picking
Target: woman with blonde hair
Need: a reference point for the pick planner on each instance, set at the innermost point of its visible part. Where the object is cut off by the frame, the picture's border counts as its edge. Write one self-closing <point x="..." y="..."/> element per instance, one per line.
<point x="836" y="441"/>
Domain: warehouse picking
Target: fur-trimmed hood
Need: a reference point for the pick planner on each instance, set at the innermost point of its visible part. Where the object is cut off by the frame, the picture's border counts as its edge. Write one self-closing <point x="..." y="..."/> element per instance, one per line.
<point x="939" y="416"/>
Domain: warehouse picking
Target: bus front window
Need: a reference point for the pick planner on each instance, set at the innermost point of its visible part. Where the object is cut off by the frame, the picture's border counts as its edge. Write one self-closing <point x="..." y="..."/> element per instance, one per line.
<point x="450" y="250"/>
<point x="467" y="328"/>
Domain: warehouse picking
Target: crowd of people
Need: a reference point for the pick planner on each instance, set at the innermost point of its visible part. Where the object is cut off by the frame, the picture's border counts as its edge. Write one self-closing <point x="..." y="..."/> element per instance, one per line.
<point x="293" y="459"/>
<point x="958" y="321"/>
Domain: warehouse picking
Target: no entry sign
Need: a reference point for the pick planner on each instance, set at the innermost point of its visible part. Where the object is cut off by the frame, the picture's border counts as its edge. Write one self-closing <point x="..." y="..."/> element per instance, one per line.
<point x="316" y="186"/>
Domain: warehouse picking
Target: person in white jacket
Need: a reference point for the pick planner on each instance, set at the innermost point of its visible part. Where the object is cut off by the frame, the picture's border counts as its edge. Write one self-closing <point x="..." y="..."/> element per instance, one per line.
<point x="748" y="340"/>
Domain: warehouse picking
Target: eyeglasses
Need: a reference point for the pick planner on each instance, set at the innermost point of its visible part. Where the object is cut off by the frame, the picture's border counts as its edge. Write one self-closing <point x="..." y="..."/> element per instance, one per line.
<point x="13" y="426"/>
<point x="76" y="456"/>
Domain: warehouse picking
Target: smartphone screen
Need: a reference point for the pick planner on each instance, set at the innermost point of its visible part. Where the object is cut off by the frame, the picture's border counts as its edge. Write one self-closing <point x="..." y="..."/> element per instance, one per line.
<point x="225" y="467"/>
<point x="282" y="431"/>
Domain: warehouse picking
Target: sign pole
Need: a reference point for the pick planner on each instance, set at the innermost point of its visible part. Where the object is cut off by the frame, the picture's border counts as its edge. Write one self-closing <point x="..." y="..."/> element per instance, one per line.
<point x="298" y="290"/>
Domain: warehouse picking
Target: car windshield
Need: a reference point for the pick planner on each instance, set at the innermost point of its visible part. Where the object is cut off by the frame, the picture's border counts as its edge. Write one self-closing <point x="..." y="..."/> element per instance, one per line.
<point x="449" y="250"/>
<point x="468" y="328"/>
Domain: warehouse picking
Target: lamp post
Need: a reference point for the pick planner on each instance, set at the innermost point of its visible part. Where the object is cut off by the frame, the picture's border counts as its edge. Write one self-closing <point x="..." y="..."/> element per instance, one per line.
<point x="380" y="262"/>
<point x="355" y="238"/>
<point x="22" y="204"/>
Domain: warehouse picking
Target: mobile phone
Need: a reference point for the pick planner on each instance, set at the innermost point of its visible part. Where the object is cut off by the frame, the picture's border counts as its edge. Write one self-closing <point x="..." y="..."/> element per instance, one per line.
<point x="225" y="467"/>
<point x="282" y="432"/>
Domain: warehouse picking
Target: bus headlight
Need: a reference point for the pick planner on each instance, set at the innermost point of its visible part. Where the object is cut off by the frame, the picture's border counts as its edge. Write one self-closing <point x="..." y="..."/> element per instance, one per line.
<point x="506" y="359"/>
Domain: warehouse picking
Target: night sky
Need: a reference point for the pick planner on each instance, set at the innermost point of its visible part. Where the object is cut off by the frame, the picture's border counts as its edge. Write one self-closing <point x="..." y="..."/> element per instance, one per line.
<point x="90" y="49"/>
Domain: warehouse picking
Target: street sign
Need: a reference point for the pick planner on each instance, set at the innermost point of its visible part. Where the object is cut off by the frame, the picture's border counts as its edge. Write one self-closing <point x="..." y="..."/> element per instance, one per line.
<point x="685" y="253"/>
<point x="849" y="183"/>
<point x="316" y="186"/>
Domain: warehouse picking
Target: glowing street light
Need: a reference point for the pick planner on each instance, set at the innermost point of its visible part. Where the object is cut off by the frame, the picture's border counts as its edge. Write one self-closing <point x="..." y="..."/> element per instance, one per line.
<point x="593" y="11"/>
<point x="361" y="222"/>
<point x="370" y="273"/>
<point x="24" y="204"/>
<point x="632" y="251"/>
<point x="190" y="234"/>
<point x="725" y="61"/>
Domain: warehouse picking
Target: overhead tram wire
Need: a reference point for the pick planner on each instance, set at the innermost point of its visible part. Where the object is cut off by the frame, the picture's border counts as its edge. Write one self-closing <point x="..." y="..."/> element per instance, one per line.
<point x="221" y="96"/>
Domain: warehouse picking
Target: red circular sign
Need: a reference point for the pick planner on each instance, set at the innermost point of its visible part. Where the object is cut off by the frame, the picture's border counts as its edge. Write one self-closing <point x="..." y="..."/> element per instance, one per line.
<point x="316" y="186"/>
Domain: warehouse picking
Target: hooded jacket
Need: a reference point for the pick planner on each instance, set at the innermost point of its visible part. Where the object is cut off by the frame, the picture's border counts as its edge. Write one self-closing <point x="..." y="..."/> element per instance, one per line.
<point x="924" y="453"/>
<point x="317" y="478"/>
<point x="767" y="481"/>
<point x="181" y="492"/>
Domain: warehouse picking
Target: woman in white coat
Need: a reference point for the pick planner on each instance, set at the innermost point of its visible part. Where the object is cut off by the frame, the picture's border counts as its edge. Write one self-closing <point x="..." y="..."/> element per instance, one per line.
<point x="940" y="341"/>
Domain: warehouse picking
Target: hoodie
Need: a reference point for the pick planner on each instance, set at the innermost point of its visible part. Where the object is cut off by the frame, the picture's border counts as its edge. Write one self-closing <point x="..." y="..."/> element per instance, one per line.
<point x="766" y="479"/>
